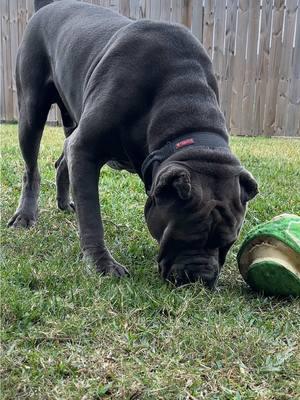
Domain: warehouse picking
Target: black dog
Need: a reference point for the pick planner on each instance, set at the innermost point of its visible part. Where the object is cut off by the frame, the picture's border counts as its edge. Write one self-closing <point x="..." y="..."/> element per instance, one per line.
<point x="140" y="96"/>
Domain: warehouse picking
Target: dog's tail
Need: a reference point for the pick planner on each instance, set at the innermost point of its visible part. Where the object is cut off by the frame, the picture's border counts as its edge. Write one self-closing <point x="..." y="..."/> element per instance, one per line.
<point x="41" y="3"/>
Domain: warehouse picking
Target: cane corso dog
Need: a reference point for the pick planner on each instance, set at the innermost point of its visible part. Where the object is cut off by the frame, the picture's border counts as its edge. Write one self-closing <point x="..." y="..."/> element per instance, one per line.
<point x="140" y="96"/>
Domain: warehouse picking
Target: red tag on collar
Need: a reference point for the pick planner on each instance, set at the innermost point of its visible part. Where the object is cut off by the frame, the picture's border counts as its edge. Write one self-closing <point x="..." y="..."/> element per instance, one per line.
<point x="184" y="142"/>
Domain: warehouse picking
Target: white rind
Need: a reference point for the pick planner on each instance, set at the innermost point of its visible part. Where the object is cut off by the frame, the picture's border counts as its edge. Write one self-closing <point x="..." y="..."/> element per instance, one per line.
<point x="272" y="250"/>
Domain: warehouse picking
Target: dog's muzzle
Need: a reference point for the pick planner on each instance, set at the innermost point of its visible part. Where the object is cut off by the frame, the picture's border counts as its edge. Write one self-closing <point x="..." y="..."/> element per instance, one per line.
<point x="191" y="267"/>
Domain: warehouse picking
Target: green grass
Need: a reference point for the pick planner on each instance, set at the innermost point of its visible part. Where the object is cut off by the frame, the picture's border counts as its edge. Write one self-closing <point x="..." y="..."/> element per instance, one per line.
<point x="69" y="334"/>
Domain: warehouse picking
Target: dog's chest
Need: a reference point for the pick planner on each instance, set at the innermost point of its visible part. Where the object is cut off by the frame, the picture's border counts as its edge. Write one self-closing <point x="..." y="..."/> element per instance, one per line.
<point x="119" y="165"/>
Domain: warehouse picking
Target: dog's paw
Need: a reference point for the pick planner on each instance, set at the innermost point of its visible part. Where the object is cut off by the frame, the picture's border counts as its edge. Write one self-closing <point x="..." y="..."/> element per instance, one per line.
<point x="104" y="264"/>
<point x="21" y="220"/>
<point x="67" y="206"/>
<point x="112" y="268"/>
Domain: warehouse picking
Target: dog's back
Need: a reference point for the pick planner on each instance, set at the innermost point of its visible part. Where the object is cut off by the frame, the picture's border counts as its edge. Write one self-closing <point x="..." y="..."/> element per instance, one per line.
<point x="41" y="3"/>
<point x="64" y="39"/>
<point x="73" y="24"/>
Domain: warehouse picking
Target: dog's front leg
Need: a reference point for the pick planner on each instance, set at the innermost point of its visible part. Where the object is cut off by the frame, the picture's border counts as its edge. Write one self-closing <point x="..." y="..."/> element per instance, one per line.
<point x="84" y="171"/>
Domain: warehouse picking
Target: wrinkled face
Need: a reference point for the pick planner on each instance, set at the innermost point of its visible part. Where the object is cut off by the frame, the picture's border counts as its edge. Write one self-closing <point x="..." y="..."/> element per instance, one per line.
<point x="196" y="217"/>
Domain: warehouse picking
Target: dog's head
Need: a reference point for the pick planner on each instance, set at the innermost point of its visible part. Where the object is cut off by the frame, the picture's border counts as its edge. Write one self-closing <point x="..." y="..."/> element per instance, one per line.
<point x="195" y="211"/>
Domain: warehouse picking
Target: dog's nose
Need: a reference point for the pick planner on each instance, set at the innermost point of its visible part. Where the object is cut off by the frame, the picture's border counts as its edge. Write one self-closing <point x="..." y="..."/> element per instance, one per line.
<point x="208" y="275"/>
<point x="184" y="274"/>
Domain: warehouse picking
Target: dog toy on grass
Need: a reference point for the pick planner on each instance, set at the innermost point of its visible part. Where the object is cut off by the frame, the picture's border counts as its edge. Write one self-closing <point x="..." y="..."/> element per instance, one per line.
<point x="269" y="258"/>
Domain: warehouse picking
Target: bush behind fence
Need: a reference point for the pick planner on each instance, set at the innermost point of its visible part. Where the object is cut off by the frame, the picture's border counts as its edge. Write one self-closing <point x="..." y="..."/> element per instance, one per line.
<point x="254" y="45"/>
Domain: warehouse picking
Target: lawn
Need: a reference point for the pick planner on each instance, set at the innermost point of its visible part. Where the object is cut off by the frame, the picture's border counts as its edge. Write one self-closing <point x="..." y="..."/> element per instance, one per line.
<point x="68" y="333"/>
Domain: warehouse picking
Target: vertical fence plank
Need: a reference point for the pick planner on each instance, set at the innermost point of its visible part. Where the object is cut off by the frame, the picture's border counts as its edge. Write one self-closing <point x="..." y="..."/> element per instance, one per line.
<point x="239" y="67"/>
<point x="114" y="5"/>
<point x="273" y="78"/>
<point x="250" y="73"/>
<point x="14" y="43"/>
<point x="218" y="47"/>
<point x="21" y="19"/>
<point x="285" y="67"/>
<point x="154" y="10"/>
<point x="29" y="9"/>
<point x="2" y="86"/>
<point x="197" y="19"/>
<point x="176" y="11"/>
<point x="293" y="111"/>
<point x="208" y="28"/>
<point x="124" y="7"/>
<point x="186" y="13"/>
<point x="52" y="115"/>
<point x="262" y="67"/>
<point x="142" y="8"/>
<point x="165" y="10"/>
<point x="226" y="92"/>
<point x="134" y="9"/>
<point x="6" y="49"/>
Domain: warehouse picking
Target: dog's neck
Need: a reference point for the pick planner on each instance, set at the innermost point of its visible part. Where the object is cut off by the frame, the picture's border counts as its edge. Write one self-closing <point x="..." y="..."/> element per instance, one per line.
<point x="209" y="140"/>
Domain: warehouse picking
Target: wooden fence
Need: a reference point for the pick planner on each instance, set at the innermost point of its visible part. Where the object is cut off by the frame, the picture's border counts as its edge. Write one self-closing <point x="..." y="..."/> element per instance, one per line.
<point x="254" y="45"/>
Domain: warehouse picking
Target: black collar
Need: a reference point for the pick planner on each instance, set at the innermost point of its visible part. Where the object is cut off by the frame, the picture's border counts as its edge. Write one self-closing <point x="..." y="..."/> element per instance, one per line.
<point x="208" y="140"/>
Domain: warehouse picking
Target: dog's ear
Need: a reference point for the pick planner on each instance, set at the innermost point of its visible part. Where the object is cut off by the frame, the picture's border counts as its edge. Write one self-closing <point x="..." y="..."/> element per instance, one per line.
<point x="249" y="188"/>
<point x="172" y="180"/>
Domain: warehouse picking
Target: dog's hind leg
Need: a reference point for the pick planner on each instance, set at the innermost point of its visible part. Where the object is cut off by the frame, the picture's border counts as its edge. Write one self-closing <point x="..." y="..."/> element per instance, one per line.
<point x="33" y="115"/>
<point x="63" y="185"/>
<point x="62" y="174"/>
